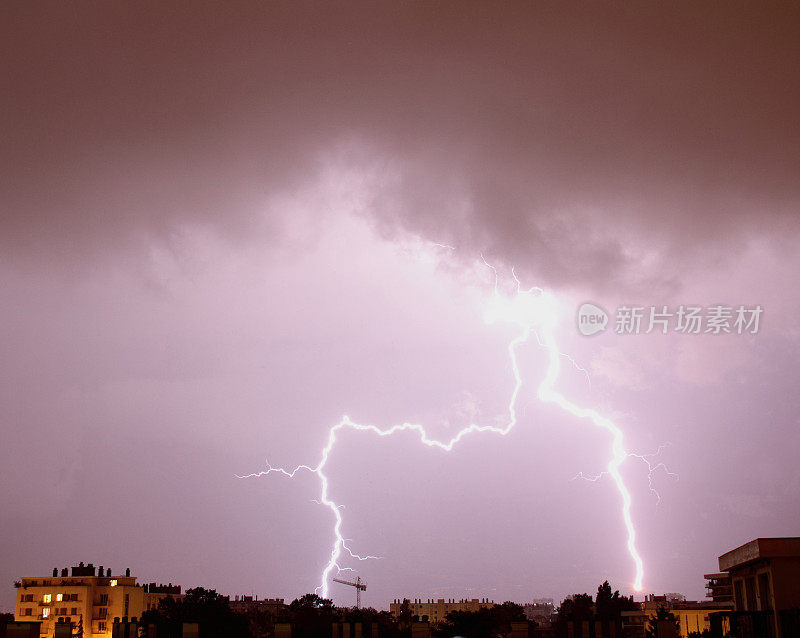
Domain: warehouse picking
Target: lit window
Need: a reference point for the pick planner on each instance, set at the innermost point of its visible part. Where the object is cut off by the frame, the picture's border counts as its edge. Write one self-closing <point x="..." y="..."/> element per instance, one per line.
<point x="47" y="598"/>
<point x="59" y="597"/>
<point x="114" y="582"/>
<point x="45" y="612"/>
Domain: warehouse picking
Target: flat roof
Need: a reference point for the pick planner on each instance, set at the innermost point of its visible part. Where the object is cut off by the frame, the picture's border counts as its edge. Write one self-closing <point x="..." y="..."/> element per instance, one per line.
<point x="787" y="547"/>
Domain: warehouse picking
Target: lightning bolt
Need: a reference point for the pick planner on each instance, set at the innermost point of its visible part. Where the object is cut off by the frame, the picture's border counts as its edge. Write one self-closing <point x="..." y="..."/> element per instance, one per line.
<point x="534" y="311"/>
<point x="652" y="467"/>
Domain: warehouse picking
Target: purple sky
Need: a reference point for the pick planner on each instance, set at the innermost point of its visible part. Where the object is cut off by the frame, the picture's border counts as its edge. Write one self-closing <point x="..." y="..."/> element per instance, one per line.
<point x="218" y="227"/>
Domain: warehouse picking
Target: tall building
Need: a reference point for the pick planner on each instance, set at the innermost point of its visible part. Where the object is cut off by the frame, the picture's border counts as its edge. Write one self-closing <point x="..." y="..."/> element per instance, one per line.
<point x="765" y="574"/>
<point x="87" y="597"/>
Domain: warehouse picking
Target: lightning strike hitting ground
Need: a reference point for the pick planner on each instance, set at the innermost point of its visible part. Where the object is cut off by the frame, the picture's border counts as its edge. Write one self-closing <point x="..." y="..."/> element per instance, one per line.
<point x="534" y="312"/>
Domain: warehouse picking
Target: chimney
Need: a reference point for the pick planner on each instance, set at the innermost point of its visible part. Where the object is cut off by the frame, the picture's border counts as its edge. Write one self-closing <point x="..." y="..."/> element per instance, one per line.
<point x="108" y="572"/>
<point x="127" y="571"/>
<point x="64" y="572"/>
<point x="55" y="571"/>
<point x="100" y="570"/>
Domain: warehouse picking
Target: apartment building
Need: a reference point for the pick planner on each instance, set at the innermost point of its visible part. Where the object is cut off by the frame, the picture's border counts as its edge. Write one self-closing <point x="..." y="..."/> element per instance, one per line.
<point x="86" y="596"/>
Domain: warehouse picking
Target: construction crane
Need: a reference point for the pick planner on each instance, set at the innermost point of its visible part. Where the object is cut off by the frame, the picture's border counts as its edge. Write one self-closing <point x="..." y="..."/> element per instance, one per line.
<point x="358" y="585"/>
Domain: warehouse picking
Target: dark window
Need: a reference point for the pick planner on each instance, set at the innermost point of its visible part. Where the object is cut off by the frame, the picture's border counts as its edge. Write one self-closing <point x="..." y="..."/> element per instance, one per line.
<point x="103" y="599"/>
<point x="750" y="591"/>
<point x="738" y="588"/>
<point x="764" y="592"/>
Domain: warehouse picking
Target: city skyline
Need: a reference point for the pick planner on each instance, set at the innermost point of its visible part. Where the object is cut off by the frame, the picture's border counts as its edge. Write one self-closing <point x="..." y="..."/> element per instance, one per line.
<point x="226" y="227"/>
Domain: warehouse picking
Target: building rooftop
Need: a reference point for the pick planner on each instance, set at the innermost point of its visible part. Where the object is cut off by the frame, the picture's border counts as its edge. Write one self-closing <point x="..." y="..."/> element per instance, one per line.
<point x="788" y="547"/>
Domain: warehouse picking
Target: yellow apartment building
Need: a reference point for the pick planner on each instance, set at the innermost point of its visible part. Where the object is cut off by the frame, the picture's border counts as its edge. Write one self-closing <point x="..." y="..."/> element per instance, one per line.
<point x="437" y="610"/>
<point x="87" y="596"/>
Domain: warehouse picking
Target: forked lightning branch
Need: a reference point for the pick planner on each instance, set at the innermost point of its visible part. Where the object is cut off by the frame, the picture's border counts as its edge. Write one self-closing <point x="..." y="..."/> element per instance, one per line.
<point x="534" y="313"/>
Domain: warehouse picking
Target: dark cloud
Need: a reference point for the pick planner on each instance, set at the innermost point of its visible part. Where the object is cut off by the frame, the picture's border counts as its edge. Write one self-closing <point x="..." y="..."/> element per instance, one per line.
<point x="517" y="129"/>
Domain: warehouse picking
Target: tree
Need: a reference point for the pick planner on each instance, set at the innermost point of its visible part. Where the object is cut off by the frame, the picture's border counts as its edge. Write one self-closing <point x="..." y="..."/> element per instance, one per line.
<point x="406" y="615"/>
<point x="608" y="605"/>
<point x="205" y="607"/>
<point x="487" y="622"/>
<point x="469" y="624"/>
<point x="382" y="621"/>
<point x="260" y="623"/>
<point x="664" y="621"/>
<point x="575" y="610"/>
<point x="503" y="615"/>
<point x="311" y="616"/>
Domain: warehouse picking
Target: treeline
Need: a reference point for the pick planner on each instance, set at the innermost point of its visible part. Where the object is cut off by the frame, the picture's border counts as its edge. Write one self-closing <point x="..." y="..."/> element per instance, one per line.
<point x="312" y="616"/>
<point x="607" y="608"/>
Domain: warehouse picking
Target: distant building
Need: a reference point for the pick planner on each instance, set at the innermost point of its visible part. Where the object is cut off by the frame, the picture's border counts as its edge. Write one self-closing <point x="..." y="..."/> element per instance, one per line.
<point x="765" y="574"/>
<point x="692" y="616"/>
<point x="697" y="617"/>
<point x="88" y="597"/>
<point x="436" y="610"/>
<point x="634" y="623"/>
<point x="719" y="587"/>
<point x="245" y="604"/>
<point x="542" y="611"/>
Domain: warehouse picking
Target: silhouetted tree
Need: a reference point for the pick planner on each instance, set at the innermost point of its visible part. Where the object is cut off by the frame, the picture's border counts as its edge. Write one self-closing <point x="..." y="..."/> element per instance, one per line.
<point x="608" y="605"/>
<point x="575" y="610"/>
<point x="484" y="623"/>
<point x="503" y="615"/>
<point x="406" y="615"/>
<point x="663" y="615"/>
<point x="204" y="606"/>
<point x="387" y="626"/>
<point x="260" y="623"/>
<point x="469" y="624"/>
<point x="311" y="616"/>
